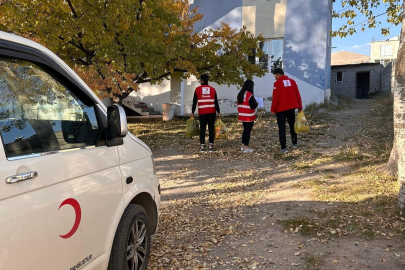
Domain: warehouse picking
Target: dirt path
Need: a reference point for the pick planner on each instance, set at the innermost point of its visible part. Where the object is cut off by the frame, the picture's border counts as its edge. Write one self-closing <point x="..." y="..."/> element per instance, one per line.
<point x="251" y="213"/>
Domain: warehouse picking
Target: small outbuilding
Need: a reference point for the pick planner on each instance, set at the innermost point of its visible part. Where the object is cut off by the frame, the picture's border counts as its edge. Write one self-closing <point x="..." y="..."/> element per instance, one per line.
<point x="353" y="76"/>
<point x="356" y="80"/>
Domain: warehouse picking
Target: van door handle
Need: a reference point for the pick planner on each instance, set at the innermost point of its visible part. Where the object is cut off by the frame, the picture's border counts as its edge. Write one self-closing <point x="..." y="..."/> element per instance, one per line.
<point x="21" y="177"/>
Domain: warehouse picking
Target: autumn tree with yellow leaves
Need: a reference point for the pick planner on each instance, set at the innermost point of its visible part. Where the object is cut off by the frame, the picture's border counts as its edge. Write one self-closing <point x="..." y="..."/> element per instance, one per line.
<point x="351" y="8"/>
<point x="117" y="45"/>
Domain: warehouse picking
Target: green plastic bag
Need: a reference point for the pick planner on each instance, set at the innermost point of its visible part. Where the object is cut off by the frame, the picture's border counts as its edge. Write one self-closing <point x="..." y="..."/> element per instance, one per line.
<point x="221" y="132"/>
<point x="192" y="128"/>
<point x="301" y="123"/>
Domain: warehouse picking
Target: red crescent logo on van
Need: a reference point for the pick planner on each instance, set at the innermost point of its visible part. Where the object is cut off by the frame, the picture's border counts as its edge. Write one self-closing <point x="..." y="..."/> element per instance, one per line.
<point x="78" y="212"/>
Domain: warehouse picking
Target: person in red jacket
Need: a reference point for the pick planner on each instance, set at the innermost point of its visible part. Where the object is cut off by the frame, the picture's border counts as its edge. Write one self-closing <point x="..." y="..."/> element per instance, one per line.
<point x="247" y="105"/>
<point x="286" y="98"/>
<point x="205" y="97"/>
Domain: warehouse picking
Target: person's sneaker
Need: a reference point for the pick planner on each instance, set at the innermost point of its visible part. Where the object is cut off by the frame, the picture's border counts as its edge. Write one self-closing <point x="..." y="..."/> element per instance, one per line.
<point x="247" y="150"/>
<point x="295" y="146"/>
<point x="242" y="149"/>
<point x="202" y="148"/>
<point x="284" y="151"/>
<point x="211" y="148"/>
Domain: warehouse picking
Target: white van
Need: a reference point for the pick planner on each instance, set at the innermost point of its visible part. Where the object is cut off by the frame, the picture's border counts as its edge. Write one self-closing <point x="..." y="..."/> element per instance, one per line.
<point x="76" y="192"/>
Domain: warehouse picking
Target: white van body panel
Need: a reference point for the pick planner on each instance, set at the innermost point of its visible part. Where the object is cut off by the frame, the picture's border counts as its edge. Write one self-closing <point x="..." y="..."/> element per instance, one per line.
<point x="131" y="162"/>
<point x="89" y="176"/>
<point x="33" y="216"/>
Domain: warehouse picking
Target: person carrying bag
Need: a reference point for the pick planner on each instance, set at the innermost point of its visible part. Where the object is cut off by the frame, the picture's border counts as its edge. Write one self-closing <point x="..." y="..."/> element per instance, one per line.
<point x="286" y="98"/>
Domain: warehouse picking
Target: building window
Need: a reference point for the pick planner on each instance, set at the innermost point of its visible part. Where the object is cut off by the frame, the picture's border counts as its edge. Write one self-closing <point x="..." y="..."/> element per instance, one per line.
<point x="273" y="54"/>
<point x="263" y="61"/>
<point x="339" y="77"/>
<point x="385" y="50"/>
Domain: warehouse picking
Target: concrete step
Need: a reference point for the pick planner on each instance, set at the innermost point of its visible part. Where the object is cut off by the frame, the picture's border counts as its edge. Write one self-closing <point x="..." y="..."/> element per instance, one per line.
<point x="147" y="109"/>
<point x="140" y="111"/>
<point x="155" y="113"/>
<point x="137" y="111"/>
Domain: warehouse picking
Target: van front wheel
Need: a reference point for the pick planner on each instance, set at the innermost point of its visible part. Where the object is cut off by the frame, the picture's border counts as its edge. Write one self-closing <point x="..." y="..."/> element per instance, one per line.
<point x="131" y="245"/>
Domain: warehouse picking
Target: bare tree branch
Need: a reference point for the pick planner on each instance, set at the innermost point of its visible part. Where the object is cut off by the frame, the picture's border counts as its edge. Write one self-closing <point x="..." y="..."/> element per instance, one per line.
<point x="72" y="8"/>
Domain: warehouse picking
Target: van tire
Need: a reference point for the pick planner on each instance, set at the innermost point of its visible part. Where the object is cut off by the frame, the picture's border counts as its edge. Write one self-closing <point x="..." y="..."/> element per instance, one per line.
<point x="125" y="245"/>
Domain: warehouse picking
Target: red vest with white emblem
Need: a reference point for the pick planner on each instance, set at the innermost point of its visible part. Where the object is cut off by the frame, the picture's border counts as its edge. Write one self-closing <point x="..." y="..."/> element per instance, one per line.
<point x="206" y="99"/>
<point x="246" y="114"/>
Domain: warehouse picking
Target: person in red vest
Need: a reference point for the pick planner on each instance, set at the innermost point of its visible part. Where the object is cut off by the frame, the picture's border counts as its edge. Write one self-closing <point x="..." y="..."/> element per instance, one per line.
<point x="247" y="105"/>
<point x="286" y="98"/>
<point x="205" y="98"/>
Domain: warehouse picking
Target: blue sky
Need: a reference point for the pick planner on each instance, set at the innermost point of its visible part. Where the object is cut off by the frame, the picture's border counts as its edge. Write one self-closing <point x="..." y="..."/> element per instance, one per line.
<point x="359" y="42"/>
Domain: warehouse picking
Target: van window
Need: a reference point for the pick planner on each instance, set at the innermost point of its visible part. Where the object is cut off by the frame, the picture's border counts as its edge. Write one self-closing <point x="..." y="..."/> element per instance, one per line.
<point x="39" y="114"/>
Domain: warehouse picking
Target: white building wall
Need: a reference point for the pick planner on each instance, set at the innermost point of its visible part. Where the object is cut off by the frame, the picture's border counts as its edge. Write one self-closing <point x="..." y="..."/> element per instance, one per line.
<point x="154" y="95"/>
<point x="260" y="17"/>
<point x="263" y="89"/>
<point x="375" y="53"/>
<point x="227" y="95"/>
<point x="306" y="49"/>
<point x="307" y="45"/>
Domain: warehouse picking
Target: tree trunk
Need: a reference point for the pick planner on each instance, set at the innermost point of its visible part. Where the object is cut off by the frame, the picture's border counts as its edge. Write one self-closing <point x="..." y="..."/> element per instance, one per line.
<point x="399" y="113"/>
<point x="121" y="97"/>
<point x="392" y="165"/>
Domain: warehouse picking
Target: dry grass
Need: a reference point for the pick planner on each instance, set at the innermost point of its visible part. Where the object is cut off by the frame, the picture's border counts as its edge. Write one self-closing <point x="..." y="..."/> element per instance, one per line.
<point x="313" y="262"/>
<point x="366" y="197"/>
<point x="342" y="103"/>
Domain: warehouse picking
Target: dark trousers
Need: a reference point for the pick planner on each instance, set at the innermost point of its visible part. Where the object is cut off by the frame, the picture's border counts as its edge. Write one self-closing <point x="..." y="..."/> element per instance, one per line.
<point x="281" y="117"/>
<point x="247" y="129"/>
<point x="209" y="119"/>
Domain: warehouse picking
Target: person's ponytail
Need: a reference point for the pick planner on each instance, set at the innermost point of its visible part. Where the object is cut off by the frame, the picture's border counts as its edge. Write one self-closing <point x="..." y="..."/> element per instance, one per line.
<point x="247" y="86"/>
<point x="241" y="95"/>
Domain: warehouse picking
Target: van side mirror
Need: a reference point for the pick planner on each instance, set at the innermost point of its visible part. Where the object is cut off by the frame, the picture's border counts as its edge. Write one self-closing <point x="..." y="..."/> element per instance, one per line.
<point x="117" y="122"/>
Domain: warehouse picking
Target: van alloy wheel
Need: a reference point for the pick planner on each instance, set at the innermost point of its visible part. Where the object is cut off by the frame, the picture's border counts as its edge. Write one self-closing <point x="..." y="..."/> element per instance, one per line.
<point x="131" y="246"/>
<point x="136" y="251"/>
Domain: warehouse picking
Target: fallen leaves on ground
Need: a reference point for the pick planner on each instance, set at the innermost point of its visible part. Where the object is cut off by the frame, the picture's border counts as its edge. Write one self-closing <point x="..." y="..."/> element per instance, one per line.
<point x="341" y="157"/>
